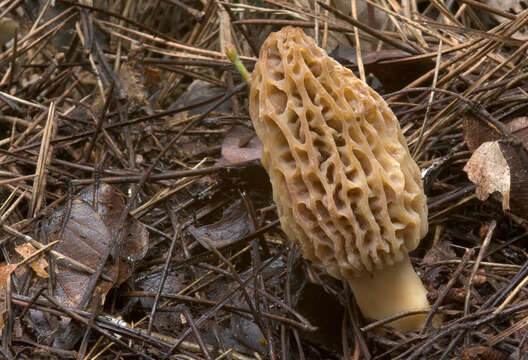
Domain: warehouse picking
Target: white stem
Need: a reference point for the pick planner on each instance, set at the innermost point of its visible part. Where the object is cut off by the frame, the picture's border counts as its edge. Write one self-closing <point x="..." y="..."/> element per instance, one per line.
<point x="390" y="291"/>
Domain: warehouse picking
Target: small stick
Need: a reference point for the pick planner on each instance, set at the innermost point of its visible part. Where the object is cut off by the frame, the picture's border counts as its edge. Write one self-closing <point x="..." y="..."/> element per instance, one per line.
<point x="446" y="289"/>
<point x="511" y="296"/>
<point x="483" y="248"/>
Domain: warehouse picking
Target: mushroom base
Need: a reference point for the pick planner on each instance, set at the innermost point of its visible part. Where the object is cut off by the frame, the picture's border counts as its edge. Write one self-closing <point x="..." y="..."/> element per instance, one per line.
<point x="393" y="290"/>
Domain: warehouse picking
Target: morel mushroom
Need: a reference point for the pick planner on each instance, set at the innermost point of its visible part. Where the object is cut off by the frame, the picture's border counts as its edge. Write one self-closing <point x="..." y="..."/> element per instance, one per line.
<point x="347" y="191"/>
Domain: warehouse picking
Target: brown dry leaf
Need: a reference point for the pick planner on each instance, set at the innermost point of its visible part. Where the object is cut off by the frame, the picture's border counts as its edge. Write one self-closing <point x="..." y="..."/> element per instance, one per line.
<point x="234" y="224"/>
<point x="152" y="78"/>
<point x="38" y="265"/>
<point x="241" y="144"/>
<point x="488" y="168"/>
<point x="499" y="166"/>
<point x="132" y="82"/>
<point x="519" y="129"/>
<point x="393" y="68"/>
<point x="477" y="132"/>
<point x="131" y="77"/>
<point x="517" y="159"/>
<point x="110" y="206"/>
<point x="88" y="233"/>
<point x="199" y="91"/>
<point x="167" y="321"/>
<point x="85" y="239"/>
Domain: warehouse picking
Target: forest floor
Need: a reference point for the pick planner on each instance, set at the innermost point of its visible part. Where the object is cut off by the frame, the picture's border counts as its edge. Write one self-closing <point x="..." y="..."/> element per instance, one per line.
<point x="138" y="222"/>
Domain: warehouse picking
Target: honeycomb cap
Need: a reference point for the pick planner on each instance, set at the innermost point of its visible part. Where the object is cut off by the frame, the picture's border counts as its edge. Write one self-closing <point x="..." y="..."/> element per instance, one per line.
<point x="348" y="192"/>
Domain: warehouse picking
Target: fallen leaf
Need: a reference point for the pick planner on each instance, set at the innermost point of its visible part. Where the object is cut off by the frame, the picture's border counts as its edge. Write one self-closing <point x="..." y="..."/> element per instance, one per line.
<point x="165" y="320"/>
<point x="437" y="275"/>
<point x="500" y="166"/>
<point x="243" y="334"/>
<point x="393" y="68"/>
<point x="234" y="224"/>
<point x="517" y="159"/>
<point x="85" y="238"/>
<point x="488" y="169"/>
<point x="477" y="132"/>
<point x="38" y="265"/>
<point x="519" y="129"/>
<point x="110" y="206"/>
<point x="199" y="91"/>
<point x="86" y="231"/>
<point x="241" y="144"/>
<point x="132" y="81"/>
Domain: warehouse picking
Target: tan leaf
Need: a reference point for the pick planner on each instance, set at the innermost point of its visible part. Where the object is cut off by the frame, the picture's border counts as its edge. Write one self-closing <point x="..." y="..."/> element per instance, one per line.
<point x="489" y="170"/>
<point x="38" y="265"/>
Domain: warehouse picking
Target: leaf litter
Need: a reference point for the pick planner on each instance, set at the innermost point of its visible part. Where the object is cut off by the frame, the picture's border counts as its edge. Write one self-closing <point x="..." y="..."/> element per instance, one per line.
<point x="127" y="145"/>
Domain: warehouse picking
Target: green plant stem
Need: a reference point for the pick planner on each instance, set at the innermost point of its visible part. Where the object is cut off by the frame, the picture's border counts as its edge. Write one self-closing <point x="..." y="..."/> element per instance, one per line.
<point x="232" y="55"/>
